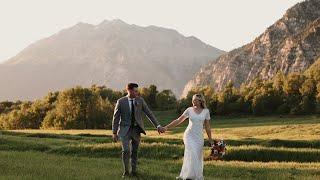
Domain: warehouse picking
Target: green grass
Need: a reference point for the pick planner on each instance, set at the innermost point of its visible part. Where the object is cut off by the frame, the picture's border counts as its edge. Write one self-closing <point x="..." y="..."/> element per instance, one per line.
<point x="258" y="148"/>
<point x="166" y="117"/>
<point x="37" y="165"/>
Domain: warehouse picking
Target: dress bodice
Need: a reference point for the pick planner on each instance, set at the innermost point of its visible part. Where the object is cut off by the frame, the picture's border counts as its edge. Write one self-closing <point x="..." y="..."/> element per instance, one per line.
<point x="196" y="120"/>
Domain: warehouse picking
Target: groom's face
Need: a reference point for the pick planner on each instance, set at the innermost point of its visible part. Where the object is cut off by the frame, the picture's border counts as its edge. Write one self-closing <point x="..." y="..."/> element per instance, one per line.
<point x="133" y="92"/>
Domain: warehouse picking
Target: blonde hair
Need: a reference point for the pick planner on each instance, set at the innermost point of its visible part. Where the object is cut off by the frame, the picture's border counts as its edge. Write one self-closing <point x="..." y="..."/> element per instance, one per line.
<point x="201" y="98"/>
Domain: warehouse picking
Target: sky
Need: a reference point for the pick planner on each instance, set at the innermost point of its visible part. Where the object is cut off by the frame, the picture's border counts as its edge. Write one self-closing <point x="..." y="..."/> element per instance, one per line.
<point x="224" y="24"/>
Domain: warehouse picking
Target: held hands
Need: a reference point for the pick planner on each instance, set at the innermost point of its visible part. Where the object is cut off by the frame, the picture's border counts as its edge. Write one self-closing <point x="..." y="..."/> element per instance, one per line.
<point x="115" y="137"/>
<point x="161" y="129"/>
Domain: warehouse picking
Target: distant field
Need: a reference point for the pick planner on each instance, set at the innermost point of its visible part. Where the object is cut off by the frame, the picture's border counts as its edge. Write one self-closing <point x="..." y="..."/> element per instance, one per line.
<point x="258" y="148"/>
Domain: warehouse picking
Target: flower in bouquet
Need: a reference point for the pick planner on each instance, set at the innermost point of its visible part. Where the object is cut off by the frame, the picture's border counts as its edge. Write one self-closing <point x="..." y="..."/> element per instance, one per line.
<point x="218" y="149"/>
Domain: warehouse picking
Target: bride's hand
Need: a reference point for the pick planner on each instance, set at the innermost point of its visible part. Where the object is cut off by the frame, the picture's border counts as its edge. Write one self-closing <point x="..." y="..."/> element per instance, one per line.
<point x="211" y="142"/>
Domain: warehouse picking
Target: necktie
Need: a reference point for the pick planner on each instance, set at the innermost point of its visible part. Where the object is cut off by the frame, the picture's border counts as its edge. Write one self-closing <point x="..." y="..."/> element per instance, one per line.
<point x="132" y="112"/>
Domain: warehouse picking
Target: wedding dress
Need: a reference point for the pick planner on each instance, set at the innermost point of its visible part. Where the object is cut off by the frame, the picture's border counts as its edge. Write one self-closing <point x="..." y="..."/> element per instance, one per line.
<point x="192" y="167"/>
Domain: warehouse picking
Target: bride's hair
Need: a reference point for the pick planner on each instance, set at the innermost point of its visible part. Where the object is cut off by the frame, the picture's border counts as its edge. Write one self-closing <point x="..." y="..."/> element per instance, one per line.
<point x="201" y="98"/>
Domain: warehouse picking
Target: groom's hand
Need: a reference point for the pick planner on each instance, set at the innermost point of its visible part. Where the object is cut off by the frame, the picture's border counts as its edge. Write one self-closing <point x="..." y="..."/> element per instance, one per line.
<point x="161" y="129"/>
<point x="115" y="137"/>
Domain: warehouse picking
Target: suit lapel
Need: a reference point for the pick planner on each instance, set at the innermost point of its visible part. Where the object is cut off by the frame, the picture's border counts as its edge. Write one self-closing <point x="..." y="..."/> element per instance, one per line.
<point x="128" y="105"/>
<point x="136" y="101"/>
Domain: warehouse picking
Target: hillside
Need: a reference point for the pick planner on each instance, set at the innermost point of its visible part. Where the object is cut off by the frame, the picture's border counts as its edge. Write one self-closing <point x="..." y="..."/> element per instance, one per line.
<point x="289" y="45"/>
<point x="111" y="53"/>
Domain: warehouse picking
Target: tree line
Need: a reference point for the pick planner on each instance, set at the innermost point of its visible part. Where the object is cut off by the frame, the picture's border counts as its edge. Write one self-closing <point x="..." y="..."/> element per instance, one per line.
<point x="292" y="94"/>
<point x="76" y="108"/>
<point x="92" y="108"/>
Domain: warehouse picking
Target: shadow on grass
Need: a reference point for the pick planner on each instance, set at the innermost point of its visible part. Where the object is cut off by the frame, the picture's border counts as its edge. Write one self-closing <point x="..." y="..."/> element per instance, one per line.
<point x="159" y="148"/>
<point x="276" y="143"/>
<point x="172" y="141"/>
<point x="94" y="138"/>
<point x="266" y="155"/>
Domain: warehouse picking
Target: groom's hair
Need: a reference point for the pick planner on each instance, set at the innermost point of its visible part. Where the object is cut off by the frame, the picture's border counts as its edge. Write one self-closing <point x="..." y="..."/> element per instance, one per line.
<point x="132" y="85"/>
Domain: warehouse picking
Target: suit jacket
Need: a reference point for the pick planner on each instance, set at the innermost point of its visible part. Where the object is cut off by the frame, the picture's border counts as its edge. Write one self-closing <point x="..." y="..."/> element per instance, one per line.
<point x="121" y="121"/>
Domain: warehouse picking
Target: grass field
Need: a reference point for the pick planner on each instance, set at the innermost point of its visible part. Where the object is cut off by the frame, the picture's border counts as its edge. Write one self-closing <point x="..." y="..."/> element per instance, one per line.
<point x="258" y="148"/>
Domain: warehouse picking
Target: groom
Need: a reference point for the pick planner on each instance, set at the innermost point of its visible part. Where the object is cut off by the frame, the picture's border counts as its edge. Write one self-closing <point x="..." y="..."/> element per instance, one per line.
<point x="127" y="125"/>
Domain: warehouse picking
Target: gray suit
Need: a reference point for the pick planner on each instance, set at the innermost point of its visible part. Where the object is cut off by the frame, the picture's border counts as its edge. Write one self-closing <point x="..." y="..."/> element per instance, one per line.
<point x="121" y="125"/>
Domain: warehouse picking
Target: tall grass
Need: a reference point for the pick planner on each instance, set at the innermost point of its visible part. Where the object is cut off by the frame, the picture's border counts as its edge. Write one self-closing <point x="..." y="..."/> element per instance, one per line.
<point x="271" y="148"/>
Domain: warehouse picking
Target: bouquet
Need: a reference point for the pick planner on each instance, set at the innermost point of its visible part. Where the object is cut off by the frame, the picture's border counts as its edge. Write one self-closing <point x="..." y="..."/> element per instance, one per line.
<point x="218" y="149"/>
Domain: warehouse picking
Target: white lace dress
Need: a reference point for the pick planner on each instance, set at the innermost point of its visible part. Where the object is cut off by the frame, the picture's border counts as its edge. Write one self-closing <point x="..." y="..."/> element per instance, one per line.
<point x="192" y="167"/>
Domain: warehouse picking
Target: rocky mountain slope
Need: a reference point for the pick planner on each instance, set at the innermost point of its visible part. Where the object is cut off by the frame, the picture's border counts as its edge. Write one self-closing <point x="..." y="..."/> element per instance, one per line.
<point x="289" y="45"/>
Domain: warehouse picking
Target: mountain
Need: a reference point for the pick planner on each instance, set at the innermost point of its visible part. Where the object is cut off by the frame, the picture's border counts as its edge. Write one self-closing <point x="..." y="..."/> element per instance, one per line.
<point x="111" y="53"/>
<point x="289" y="45"/>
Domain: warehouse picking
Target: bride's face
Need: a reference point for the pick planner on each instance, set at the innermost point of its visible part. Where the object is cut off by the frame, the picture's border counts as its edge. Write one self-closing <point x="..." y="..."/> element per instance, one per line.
<point x="196" y="102"/>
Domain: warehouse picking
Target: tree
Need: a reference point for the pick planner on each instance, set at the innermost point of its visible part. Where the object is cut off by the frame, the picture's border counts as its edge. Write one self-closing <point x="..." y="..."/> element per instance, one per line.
<point x="79" y="108"/>
<point x="152" y="96"/>
<point x="291" y="89"/>
<point x="228" y="100"/>
<point x="308" y="91"/>
<point x="166" y="100"/>
<point x="278" y="81"/>
<point x="318" y="98"/>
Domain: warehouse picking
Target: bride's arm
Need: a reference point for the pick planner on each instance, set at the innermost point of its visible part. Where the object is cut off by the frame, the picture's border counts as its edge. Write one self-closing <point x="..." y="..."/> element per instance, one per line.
<point x="208" y="130"/>
<point x="176" y="122"/>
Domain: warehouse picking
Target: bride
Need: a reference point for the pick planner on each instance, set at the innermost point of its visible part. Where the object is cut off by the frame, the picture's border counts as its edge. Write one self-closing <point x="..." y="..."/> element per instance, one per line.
<point x="199" y="116"/>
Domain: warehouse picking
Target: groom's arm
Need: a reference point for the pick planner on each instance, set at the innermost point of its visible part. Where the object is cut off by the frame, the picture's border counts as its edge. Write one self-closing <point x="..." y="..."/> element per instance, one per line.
<point x="116" y="118"/>
<point x="149" y="114"/>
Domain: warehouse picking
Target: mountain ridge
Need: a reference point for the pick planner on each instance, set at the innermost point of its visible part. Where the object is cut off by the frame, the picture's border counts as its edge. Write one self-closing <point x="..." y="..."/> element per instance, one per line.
<point x="111" y="53"/>
<point x="291" y="44"/>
